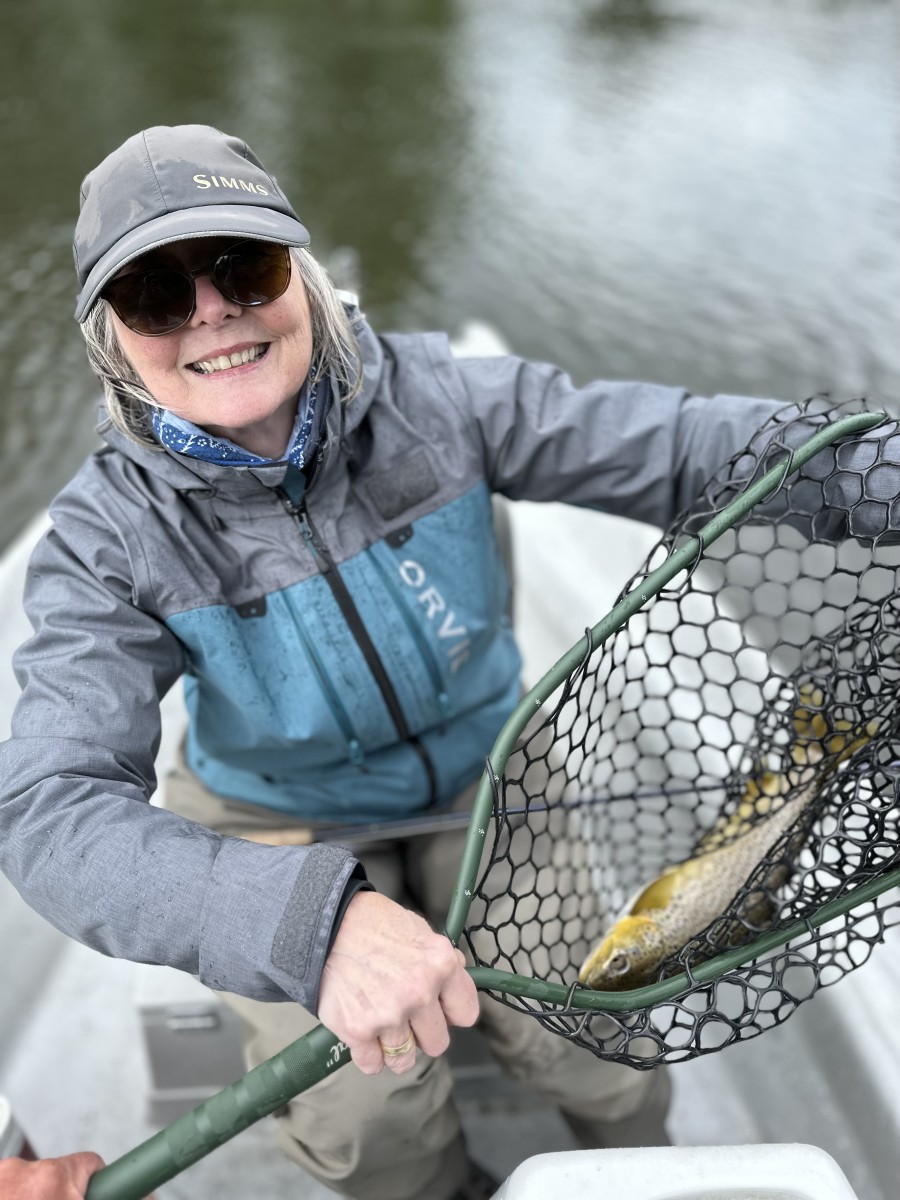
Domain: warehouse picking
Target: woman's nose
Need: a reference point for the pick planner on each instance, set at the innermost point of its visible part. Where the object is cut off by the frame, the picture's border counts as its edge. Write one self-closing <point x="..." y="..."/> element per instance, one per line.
<point x="212" y="307"/>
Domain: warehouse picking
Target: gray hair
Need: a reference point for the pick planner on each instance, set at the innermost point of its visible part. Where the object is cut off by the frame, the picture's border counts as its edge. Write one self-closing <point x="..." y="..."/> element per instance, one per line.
<point x="131" y="406"/>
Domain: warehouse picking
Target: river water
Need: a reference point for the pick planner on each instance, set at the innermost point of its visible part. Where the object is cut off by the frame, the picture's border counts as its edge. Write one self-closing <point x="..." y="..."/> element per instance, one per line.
<point x="692" y="191"/>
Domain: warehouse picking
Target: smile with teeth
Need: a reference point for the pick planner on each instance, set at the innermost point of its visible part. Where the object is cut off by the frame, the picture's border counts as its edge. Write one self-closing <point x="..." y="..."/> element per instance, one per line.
<point x="224" y="362"/>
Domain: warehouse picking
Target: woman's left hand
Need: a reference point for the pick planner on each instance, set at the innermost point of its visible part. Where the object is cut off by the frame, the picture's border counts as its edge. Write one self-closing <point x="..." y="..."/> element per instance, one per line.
<point x="391" y="984"/>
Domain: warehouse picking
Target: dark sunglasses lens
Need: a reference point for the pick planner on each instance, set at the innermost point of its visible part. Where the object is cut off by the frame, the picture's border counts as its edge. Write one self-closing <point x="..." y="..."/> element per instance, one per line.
<point x="253" y="272"/>
<point x="152" y="302"/>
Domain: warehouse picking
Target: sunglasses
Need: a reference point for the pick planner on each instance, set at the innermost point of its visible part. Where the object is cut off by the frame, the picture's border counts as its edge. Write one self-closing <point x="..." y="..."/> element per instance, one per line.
<point x="161" y="299"/>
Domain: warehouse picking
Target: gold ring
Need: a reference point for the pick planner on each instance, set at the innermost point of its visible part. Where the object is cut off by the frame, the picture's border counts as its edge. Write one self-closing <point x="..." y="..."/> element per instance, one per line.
<point x="396" y="1051"/>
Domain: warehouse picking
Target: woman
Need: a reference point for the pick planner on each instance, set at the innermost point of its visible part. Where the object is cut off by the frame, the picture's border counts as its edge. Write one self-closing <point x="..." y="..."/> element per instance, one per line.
<point x="294" y="514"/>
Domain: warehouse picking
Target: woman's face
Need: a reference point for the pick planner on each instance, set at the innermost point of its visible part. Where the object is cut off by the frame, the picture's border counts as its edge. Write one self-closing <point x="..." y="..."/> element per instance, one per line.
<point x="253" y="404"/>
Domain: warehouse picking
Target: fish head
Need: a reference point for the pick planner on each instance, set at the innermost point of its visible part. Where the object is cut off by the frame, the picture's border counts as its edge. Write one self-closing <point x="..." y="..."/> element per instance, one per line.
<point x="626" y="958"/>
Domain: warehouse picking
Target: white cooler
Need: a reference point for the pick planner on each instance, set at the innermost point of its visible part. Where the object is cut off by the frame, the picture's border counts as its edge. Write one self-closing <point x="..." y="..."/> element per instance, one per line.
<point x="791" y="1172"/>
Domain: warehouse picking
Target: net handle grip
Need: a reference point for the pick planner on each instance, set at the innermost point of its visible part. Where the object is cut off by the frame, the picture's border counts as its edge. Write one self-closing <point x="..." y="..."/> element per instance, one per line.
<point x="197" y="1133"/>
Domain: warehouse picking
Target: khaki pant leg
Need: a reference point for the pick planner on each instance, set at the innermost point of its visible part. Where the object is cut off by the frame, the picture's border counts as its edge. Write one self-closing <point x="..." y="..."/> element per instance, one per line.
<point x="606" y="1104"/>
<point x="382" y="1137"/>
<point x="374" y="1137"/>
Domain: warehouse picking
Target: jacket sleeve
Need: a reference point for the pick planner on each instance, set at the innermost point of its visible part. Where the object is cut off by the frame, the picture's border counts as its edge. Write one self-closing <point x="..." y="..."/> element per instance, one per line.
<point x="631" y="449"/>
<point x="78" y="837"/>
<point x="650" y="452"/>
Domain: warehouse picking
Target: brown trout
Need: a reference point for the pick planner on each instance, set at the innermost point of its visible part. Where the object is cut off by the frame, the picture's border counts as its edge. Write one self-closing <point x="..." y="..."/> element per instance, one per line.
<point x="689" y="896"/>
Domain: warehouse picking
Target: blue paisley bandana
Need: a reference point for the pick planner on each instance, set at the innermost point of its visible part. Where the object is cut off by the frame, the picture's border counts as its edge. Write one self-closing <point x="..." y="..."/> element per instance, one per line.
<point x="183" y="437"/>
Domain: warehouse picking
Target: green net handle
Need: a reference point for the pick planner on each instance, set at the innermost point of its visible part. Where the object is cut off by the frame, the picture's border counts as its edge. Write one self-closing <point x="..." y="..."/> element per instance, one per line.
<point x="217" y="1120"/>
<point x="679" y="560"/>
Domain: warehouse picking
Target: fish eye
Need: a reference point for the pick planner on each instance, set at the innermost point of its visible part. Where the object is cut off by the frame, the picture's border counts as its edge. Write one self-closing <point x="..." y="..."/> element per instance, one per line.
<point x="618" y="964"/>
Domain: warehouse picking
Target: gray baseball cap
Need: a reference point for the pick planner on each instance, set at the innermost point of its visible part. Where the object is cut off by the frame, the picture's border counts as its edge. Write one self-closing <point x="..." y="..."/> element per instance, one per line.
<point x="169" y="183"/>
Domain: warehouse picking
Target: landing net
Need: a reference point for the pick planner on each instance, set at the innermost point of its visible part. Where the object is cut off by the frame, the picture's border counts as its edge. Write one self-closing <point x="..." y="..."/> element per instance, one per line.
<point x="767" y="668"/>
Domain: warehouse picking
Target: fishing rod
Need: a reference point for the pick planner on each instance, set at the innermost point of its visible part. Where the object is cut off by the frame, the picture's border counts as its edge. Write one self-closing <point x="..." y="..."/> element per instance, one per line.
<point x="389" y="831"/>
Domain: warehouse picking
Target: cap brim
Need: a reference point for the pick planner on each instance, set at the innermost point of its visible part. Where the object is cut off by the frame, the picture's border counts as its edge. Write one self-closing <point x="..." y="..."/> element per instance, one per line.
<point x="222" y="220"/>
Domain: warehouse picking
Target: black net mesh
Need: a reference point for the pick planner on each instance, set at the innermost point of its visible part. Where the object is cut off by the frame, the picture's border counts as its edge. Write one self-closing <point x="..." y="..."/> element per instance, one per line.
<point x="744" y="721"/>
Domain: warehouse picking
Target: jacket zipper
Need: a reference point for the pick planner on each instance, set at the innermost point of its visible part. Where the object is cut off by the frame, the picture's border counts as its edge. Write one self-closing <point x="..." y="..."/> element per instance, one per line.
<point x="351" y="615"/>
<point x="415" y="630"/>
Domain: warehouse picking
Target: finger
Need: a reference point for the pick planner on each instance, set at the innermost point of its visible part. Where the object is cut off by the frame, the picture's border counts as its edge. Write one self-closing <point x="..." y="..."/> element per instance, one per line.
<point x="81" y="1166"/>
<point x="367" y="1056"/>
<point x="430" y="1028"/>
<point x="398" y="1049"/>
<point x="459" y="999"/>
<point x="400" y="1064"/>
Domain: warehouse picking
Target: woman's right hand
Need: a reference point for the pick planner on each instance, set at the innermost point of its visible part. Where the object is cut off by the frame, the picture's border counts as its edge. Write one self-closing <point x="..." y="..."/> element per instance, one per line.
<point x="390" y="978"/>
